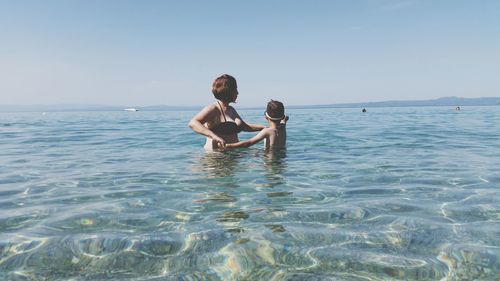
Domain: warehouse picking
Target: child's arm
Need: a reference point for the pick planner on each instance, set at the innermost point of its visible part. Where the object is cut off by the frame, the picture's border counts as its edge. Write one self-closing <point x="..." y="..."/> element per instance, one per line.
<point x="260" y="136"/>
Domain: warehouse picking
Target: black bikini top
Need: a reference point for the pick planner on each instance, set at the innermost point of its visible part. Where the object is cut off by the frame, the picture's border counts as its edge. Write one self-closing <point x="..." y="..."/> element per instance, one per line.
<point x="226" y="127"/>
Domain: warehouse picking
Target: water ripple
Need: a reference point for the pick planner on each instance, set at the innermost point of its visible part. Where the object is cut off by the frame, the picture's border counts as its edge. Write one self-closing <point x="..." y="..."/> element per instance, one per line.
<point x="395" y="194"/>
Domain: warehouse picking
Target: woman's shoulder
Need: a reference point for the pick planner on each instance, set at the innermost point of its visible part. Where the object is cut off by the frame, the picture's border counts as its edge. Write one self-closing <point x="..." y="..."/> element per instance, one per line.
<point x="210" y="108"/>
<point x="208" y="113"/>
<point x="230" y="107"/>
<point x="233" y="112"/>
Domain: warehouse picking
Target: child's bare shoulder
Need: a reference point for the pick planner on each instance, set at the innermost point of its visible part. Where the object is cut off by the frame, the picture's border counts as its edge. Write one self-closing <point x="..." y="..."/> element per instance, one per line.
<point x="268" y="130"/>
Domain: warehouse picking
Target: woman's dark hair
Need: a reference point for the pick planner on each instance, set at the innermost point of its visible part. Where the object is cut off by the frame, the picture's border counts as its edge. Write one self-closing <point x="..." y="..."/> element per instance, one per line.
<point x="223" y="88"/>
<point x="275" y="109"/>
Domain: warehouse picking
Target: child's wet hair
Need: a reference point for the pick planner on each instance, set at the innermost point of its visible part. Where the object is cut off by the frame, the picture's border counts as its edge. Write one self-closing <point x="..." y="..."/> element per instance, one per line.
<point x="275" y="109"/>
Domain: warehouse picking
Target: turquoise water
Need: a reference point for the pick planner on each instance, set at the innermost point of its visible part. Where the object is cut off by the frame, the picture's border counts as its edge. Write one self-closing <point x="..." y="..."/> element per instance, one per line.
<point x="391" y="194"/>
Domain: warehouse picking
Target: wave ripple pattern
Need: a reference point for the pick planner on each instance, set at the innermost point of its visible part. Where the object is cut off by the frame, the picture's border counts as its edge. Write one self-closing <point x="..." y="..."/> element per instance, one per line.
<point x="390" y="194"/>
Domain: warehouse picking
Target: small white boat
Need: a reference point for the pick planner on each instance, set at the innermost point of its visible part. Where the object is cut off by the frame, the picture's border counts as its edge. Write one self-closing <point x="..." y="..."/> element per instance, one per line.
<point x="131" y="109"/>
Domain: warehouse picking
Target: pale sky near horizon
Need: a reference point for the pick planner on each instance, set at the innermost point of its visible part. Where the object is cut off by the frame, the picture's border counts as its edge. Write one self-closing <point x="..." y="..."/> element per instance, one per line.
<point x="119" y="52"/>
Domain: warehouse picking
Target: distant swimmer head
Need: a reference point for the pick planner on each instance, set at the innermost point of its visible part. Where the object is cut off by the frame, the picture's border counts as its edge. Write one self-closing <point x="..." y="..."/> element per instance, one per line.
<point x="275" y="110"/>
<point x="225" y="88"/>
<point x="457" y="108"/>
<point x="364" y="110"/>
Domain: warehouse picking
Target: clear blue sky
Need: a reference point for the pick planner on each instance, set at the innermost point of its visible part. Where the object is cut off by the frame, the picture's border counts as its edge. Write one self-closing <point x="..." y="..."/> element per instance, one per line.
<point x="301" y="52"/>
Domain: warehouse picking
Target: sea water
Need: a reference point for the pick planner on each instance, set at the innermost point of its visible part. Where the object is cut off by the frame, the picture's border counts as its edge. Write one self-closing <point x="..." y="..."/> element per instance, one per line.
<point x="390" y="194"/>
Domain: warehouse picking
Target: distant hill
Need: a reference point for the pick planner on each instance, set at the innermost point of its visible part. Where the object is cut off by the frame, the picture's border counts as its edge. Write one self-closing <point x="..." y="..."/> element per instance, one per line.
<point x="445" y="101"/>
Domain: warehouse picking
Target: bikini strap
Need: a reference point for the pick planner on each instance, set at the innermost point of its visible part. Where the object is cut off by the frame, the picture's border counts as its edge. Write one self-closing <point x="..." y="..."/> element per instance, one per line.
<point x="222" y="111"/>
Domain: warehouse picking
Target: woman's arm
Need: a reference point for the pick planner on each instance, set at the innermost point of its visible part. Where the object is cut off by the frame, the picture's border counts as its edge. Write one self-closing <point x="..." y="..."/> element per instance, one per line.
<point x="249" y="127"/>
<point x="196" y="124"/>
<point x="257" y="138"/>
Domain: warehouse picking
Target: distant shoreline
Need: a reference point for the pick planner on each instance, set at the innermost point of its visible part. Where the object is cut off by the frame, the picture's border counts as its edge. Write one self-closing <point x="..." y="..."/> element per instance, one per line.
<point x="445" y="101"/>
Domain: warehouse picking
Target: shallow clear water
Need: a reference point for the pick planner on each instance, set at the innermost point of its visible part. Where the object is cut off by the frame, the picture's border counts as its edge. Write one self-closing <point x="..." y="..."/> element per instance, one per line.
<point x="391" y="194"/>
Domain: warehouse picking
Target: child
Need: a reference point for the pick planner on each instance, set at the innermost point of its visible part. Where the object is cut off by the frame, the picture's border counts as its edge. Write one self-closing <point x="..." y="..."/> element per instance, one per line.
<point x="275" y="134"/>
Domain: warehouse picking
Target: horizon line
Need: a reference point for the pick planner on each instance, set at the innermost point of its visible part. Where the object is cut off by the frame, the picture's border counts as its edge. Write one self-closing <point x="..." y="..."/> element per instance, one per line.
<point x="244" y="107"/>
<point x="439" y="102"/>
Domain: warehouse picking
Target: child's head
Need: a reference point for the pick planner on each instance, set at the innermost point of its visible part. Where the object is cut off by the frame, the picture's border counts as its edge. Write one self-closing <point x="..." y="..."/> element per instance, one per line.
<point x="275" y="111"/>
<point x="224" y="88"/>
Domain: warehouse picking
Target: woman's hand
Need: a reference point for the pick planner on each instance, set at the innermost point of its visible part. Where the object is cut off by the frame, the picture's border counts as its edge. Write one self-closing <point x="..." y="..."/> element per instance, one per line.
<point x="221" y="144"/>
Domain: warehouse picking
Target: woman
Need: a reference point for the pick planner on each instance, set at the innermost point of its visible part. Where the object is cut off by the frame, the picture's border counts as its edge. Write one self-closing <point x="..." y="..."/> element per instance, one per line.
<point x="219" y="121"/>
